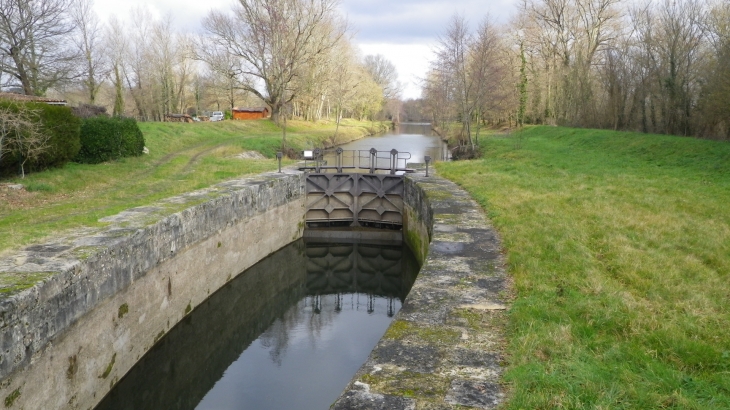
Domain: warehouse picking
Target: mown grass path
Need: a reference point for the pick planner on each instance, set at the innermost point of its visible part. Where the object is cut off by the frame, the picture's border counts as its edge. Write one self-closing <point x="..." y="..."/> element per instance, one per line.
<point x="619" y="245"/>
<point x="183" y="158"/>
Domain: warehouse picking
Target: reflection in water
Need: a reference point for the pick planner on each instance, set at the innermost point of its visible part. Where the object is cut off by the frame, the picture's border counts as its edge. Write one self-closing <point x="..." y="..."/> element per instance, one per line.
<point x="288" y="333"/>
<point x="416" y="138"/>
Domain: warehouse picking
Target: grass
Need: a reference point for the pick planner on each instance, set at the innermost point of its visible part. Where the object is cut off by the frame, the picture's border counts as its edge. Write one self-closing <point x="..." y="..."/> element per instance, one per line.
<point x="619" y="244"/>
<point x="183" y="158"/>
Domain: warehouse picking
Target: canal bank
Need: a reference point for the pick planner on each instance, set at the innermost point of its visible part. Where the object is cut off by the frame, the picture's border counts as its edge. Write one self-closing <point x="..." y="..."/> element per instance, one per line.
<point x="108" y="297"/>
<point x="444" y="348"/>
<point x="94" y="303"/>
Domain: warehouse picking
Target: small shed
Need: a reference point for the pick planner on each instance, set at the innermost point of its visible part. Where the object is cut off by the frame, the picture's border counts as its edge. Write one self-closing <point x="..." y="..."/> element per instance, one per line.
<point x="248" y="113"/>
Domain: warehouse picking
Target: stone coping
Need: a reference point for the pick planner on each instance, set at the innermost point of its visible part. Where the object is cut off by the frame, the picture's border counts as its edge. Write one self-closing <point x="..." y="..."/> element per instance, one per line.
<point x="444" y="349"/>
<point x="46" y="288"/>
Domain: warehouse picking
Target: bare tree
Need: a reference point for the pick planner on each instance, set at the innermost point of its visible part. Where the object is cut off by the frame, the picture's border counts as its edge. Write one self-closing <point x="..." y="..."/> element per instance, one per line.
<point x="344" y="83"/>
<point x="115" y="46"/>
<point x="137" y="58"/>
<point x="21" y="134"/>
<point x="453" y="54"/>
<point x="224" y="72"/>
<point x="714" y="103"/>
<point x="89" y="43"/>
<point x="275" y="39"/>
<point x="35" y="44"/>
<point x="384" y="74"/>
<point x="488" y="72"/>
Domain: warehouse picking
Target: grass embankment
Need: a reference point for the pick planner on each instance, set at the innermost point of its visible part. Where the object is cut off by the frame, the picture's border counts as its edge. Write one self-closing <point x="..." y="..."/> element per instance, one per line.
<point x="619" y="245"/>
<point x="183" y="157"/>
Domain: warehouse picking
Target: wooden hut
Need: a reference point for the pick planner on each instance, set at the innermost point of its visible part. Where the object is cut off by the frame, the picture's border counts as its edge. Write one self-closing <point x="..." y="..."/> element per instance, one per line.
<point x="246" y="113"/>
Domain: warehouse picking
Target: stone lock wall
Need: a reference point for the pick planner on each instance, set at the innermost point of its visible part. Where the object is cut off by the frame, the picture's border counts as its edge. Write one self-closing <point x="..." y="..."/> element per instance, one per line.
<point x="78" y="313"/>
<point x="443" y="349"/>
<point x="97" y="300"/>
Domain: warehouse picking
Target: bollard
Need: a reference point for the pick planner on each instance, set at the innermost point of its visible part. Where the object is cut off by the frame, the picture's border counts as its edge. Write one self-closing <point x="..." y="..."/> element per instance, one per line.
<point x="317" y="160"/>
<point x="339" y="159"/>
<point x="428" y="159"/>
<point x="373" y="159"/>
<point x="279" y="155"/>
<point x="393" y="161"/>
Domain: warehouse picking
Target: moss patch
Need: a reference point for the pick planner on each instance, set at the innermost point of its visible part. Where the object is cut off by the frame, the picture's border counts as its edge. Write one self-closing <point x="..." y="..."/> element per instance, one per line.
<point x="123" y="310"/>
<point x="188" y="308"/>
<point x="473" y="319"/>
<point x="438" y="194"/>
<point x="10" y="399"/>
<point x="410" y="384"/>
<point x="400" y="329"/>
<point x="16" y="282"/>
<point x="159" y="336"/>
<point x="109" y="367"/>
<point x="83" y="253"/>
<point x="73" y="367"/>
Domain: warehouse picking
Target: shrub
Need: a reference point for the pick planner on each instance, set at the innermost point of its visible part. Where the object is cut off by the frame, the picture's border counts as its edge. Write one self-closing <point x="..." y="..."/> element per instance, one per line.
<point x="132" y="138"/>
<point x="100" y="140"/>
<point x="105" y="139"/>
<point x="62" y="128"/>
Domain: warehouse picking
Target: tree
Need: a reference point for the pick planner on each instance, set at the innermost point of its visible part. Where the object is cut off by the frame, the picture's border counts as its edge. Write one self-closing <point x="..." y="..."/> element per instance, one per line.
<point x="88" y="41"/>
<point x="384" y="74"/>
<point x="115" y="46"/>
<point x="453" y="55"/>
<point x="34" y="44"/>
<point x="275" y="39"/>
<point x="715" y="97"/>
<point x="20" y="134"/>
<point x="344" y="83"/>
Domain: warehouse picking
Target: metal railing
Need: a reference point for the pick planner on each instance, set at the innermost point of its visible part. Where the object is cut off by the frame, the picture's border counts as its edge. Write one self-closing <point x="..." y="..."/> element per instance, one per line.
<point x="372" y="161"/>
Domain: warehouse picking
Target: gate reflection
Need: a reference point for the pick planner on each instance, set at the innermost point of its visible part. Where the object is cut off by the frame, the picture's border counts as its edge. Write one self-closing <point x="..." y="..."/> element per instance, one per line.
<point x="302" y="287"/>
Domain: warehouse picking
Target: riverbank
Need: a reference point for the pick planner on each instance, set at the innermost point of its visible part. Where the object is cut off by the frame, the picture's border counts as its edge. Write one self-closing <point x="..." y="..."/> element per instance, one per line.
<point x="182" y="158"/>
<point x="619" y="246"/>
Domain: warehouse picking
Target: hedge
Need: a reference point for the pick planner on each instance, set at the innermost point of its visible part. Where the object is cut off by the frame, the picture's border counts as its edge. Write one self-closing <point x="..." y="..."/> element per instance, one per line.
<point x="62" y="127"/>
<point x="105" y="139"/>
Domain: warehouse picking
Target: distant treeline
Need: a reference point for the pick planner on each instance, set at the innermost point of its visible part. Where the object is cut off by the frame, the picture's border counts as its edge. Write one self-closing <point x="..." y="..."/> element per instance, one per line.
<point x="659" y="67"/>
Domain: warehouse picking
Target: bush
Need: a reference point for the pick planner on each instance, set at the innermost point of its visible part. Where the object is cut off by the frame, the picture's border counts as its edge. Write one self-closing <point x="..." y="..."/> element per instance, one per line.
<point x="105" y="139"/>
<point x="64" y="128"/>
<point x="132" y="138"/>
<point x="59" y="124"/>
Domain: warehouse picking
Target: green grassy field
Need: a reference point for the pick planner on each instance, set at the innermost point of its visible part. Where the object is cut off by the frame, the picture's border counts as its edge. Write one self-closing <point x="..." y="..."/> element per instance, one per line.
<point x="619" y="246"/>
<point x="183" y="157"/>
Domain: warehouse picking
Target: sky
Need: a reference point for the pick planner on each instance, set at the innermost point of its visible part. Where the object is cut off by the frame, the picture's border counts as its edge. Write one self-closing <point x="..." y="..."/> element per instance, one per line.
<point x="403" y="31"/>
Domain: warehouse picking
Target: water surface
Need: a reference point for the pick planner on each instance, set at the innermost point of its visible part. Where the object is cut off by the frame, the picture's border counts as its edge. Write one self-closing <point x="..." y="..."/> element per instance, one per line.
<point x="289" y="333"/>
<point x="416" y="138"/>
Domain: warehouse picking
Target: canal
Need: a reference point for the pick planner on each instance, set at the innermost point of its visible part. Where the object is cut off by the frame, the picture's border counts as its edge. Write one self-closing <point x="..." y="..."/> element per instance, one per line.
<point x="416" y="138"/>
<point x="290" y="332"/>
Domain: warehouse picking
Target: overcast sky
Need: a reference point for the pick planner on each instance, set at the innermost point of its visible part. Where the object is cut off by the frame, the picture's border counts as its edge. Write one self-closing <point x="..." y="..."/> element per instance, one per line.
<point x="404" y="31"/>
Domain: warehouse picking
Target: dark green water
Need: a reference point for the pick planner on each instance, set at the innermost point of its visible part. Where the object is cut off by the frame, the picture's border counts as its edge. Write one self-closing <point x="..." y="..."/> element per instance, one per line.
<point x="289" y="333"/>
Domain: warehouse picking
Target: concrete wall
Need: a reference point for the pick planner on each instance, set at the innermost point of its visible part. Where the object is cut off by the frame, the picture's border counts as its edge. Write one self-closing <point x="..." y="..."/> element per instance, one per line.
<point x="97" y="300"/>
